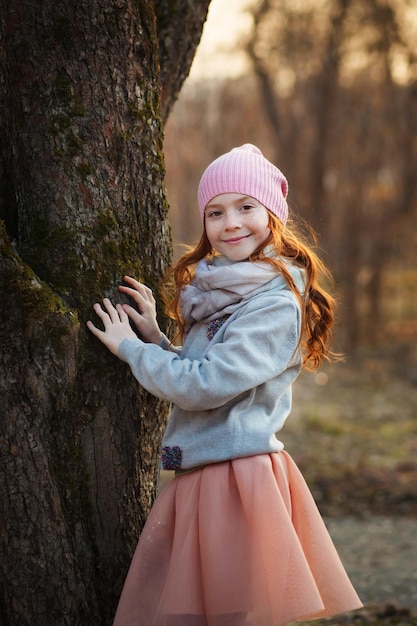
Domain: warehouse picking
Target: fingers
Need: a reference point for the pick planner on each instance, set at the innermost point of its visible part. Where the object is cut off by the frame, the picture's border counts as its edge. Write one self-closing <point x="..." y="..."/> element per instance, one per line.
<point x="112" y="315"/>
<point x="135" y="288"/>
<point x="110" y="312"/>
<point x="135" y="283"/>
<point x="116" y="325"/>
<point x="96" y="331"/>
<point x="116" y="313"/>
<point x="131" y="312"/>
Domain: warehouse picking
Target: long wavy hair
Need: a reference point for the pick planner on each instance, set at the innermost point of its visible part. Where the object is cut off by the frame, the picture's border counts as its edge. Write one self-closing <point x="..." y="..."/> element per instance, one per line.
<point x="316" y="304"/>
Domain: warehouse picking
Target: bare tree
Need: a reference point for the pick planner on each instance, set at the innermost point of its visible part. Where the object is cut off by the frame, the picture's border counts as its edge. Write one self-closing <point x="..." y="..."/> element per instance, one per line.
<point x="82" y="203"/>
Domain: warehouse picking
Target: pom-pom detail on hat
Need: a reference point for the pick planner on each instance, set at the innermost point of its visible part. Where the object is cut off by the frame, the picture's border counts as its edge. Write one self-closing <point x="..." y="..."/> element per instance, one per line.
<point x="245" y="170"/>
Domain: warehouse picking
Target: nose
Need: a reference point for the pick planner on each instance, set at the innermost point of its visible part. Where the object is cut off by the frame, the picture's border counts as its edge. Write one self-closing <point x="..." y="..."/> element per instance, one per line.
<point x="232" y="220"/>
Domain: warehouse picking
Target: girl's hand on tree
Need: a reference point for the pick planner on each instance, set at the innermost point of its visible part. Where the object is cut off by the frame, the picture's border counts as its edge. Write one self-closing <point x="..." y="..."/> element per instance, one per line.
<point x="144" y="320"/>
<point x="116" y="326"/>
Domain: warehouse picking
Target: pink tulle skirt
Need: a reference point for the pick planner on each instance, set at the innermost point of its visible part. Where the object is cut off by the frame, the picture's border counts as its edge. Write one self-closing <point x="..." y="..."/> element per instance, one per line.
<point x="235" y="543"/>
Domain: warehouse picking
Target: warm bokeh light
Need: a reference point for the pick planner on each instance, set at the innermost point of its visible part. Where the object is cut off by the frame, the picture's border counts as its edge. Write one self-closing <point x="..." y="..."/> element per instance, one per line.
<point x="219" y="53"/>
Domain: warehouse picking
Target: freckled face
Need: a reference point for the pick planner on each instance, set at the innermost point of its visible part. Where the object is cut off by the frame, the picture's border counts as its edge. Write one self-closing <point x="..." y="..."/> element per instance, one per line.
<point x="236" y="225"/>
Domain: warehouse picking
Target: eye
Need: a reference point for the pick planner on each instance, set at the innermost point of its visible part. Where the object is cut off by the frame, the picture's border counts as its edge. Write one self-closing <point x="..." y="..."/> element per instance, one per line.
<point x="246" y="207"/>
<point x="213" y="213"/>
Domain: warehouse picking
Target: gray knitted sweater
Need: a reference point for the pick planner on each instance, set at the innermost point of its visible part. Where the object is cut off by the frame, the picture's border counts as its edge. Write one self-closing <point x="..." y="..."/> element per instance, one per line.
<point x="230" y="384"/>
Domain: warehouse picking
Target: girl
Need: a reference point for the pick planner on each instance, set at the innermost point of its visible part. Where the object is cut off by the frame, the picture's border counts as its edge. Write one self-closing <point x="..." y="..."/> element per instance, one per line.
<point x="235" y="539"/>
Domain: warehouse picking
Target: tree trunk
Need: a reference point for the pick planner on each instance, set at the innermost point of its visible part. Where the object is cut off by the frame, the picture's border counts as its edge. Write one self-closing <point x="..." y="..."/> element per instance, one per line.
<point x="81" y="196"/>
<point x="323" y="102"/>
<point x="180" y="24"/>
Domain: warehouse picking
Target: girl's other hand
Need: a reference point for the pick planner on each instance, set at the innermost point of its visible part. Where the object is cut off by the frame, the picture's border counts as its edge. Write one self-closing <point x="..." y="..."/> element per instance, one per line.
<point x="116" y="326"/>
<point x="144" y="320"/>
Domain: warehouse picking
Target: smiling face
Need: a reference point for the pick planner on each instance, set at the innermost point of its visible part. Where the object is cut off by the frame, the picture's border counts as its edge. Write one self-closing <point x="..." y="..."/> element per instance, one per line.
<point x="236" y="225"/>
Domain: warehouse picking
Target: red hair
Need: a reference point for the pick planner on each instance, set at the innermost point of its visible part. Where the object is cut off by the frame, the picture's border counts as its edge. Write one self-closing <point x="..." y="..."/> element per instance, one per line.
<point x="316" y="304"/>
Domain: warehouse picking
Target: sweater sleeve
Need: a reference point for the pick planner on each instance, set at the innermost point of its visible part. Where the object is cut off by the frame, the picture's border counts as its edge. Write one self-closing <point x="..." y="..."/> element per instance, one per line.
<point x="258" y="344"/>
<point x="166" y="344"/>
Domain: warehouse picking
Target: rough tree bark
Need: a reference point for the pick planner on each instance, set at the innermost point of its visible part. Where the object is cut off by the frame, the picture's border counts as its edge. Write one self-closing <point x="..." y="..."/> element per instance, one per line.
<point x="82" y="203"/>
<point x="179" y="29"/>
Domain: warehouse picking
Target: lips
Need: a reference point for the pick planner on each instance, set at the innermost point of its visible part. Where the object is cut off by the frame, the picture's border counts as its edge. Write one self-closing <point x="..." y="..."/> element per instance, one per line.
<point x="236" y="239"/>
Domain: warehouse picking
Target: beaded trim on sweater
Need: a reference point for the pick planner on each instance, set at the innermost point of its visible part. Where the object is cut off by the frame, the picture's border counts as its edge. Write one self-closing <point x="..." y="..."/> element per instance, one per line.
<point x="215" y="325"/>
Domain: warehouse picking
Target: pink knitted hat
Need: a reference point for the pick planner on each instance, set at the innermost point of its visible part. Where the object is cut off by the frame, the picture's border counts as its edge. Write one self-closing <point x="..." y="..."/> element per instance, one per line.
<point x="245" y="170"/>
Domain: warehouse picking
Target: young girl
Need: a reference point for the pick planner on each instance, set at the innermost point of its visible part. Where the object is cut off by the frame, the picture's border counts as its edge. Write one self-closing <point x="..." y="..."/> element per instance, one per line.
<point x="235" y="539"/>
